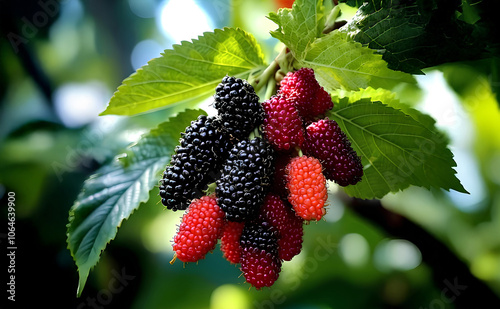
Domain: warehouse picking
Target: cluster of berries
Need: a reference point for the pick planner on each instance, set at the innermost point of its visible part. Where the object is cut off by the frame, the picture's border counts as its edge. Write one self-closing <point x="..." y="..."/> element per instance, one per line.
<point x="264" y="190"/>
<point x="292" y="121"/>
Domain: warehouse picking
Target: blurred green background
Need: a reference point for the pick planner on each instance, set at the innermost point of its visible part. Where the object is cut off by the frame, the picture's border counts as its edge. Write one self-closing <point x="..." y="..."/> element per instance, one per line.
<point x="60" y="63"/>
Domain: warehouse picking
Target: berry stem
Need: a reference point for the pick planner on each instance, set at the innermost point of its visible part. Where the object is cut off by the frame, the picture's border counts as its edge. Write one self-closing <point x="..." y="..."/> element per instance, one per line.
<point x="255" y="133"/>
<point x="281" y="61"/>
<point x="261" y="80"/>
<point x="173" y="259"/>
<point x="210" y="188"/>
<point x="271" y="88"/>
<point x="285" y="60"/>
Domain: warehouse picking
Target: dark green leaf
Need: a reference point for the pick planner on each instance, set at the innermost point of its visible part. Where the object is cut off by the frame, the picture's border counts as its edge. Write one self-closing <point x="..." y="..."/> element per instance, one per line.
<point x="412" y="35"/>
<point x="397" y="149"/>
<point x="117" y="189"/>
<point x="354" y="3"/>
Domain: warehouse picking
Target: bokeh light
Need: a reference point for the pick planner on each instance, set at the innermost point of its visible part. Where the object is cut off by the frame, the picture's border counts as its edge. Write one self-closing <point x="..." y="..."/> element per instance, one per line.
<point x="451" y="117"/>
<point x="397" y="254"/>
<point x="143" y="8"/>
<point x="158" y="235"/>
<point x="144" y="51"/>
<point x="177" y="25"/>
<point x="80" y="103"/>
<point x="229" y="296"/>
<point x="354" y="249"/>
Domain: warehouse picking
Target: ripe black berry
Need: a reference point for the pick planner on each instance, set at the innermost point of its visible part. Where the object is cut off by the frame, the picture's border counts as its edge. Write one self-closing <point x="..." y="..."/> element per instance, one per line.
<point x="246" y="177"/>
<point x="238" y="107"/>
<point x="196" y="161"/>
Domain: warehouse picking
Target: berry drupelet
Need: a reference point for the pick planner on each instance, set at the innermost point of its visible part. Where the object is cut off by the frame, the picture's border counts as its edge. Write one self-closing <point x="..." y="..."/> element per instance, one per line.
<point x="245" y="180"/>
<point x="260" y="261"/>
<point x="238" y="107"/>
<point x="195" y="162"/>
<point x="326" y="142"/>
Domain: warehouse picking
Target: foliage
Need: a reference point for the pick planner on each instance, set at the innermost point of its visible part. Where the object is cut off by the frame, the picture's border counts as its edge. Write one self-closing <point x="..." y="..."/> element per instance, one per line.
<point x="397" y="149"/>
<point x="399" y="145"/>
<point x="188" y="72"/>
<point x="117" y="189"/>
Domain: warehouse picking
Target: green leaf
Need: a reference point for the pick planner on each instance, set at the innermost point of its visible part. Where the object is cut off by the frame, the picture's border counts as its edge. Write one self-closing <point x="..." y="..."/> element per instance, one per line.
<point x="412" y="35"/>
<point x="117" y="189"/>
<point x="380" y="94"/>
<point x="339" y="62"/>
<point x="355" y="3"/>
<point x="299" y="26"/>
<point x="397" y="150"/>
<point x="188" y="72"/>
<point x="389" y="98"/>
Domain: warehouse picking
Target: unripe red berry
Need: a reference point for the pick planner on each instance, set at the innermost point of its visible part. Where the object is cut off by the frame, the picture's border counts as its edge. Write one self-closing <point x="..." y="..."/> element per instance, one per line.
<point x="199" y="230"/>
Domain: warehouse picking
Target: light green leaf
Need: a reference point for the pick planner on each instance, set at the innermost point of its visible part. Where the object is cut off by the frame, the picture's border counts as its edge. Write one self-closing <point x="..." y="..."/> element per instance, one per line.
<point x="299" y="26"/>
<point x="397" y="150"/>
<point x="380" y="94"/>
<point x="189" y="72"/>
<point x="117" y="189"/>
<point x="339" y="62"/>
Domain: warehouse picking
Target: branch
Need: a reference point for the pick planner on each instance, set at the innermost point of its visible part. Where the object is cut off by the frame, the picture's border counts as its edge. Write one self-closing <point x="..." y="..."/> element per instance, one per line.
<point x="451" y="275"/>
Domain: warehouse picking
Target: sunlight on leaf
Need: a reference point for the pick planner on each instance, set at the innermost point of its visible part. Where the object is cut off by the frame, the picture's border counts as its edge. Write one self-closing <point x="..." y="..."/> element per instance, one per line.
<point x="339" y="62"/>
<point x="188" y="72"/>
<point x="299" y="26"/>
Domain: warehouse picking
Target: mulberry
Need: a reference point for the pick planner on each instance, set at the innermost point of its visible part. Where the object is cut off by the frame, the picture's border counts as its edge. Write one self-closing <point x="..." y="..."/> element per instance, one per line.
<point x="282" y="124"/>
<point x="286" y="222"/>
<point x="307" y="187"/>
<point x="195" y="163"/>
<point x="260" y="261"/>
<point x="326" y="142"/>
<point x="238" y="107"/>
<point x="303" y="89"/>
<point x="230" y="241"/>
<point x="245" y="179"/>
<point x="200" y="228"/>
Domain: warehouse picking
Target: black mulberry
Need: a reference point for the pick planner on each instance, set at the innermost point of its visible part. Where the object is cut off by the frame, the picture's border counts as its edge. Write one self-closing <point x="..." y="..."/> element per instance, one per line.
<point x="238" y="107"/>
<point x="245" y="180"/>
<point x="195" y="163"/>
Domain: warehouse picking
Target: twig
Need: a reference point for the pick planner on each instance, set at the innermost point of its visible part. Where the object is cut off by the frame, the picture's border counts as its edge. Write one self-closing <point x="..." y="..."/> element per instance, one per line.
<point x="448" y="270"/>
